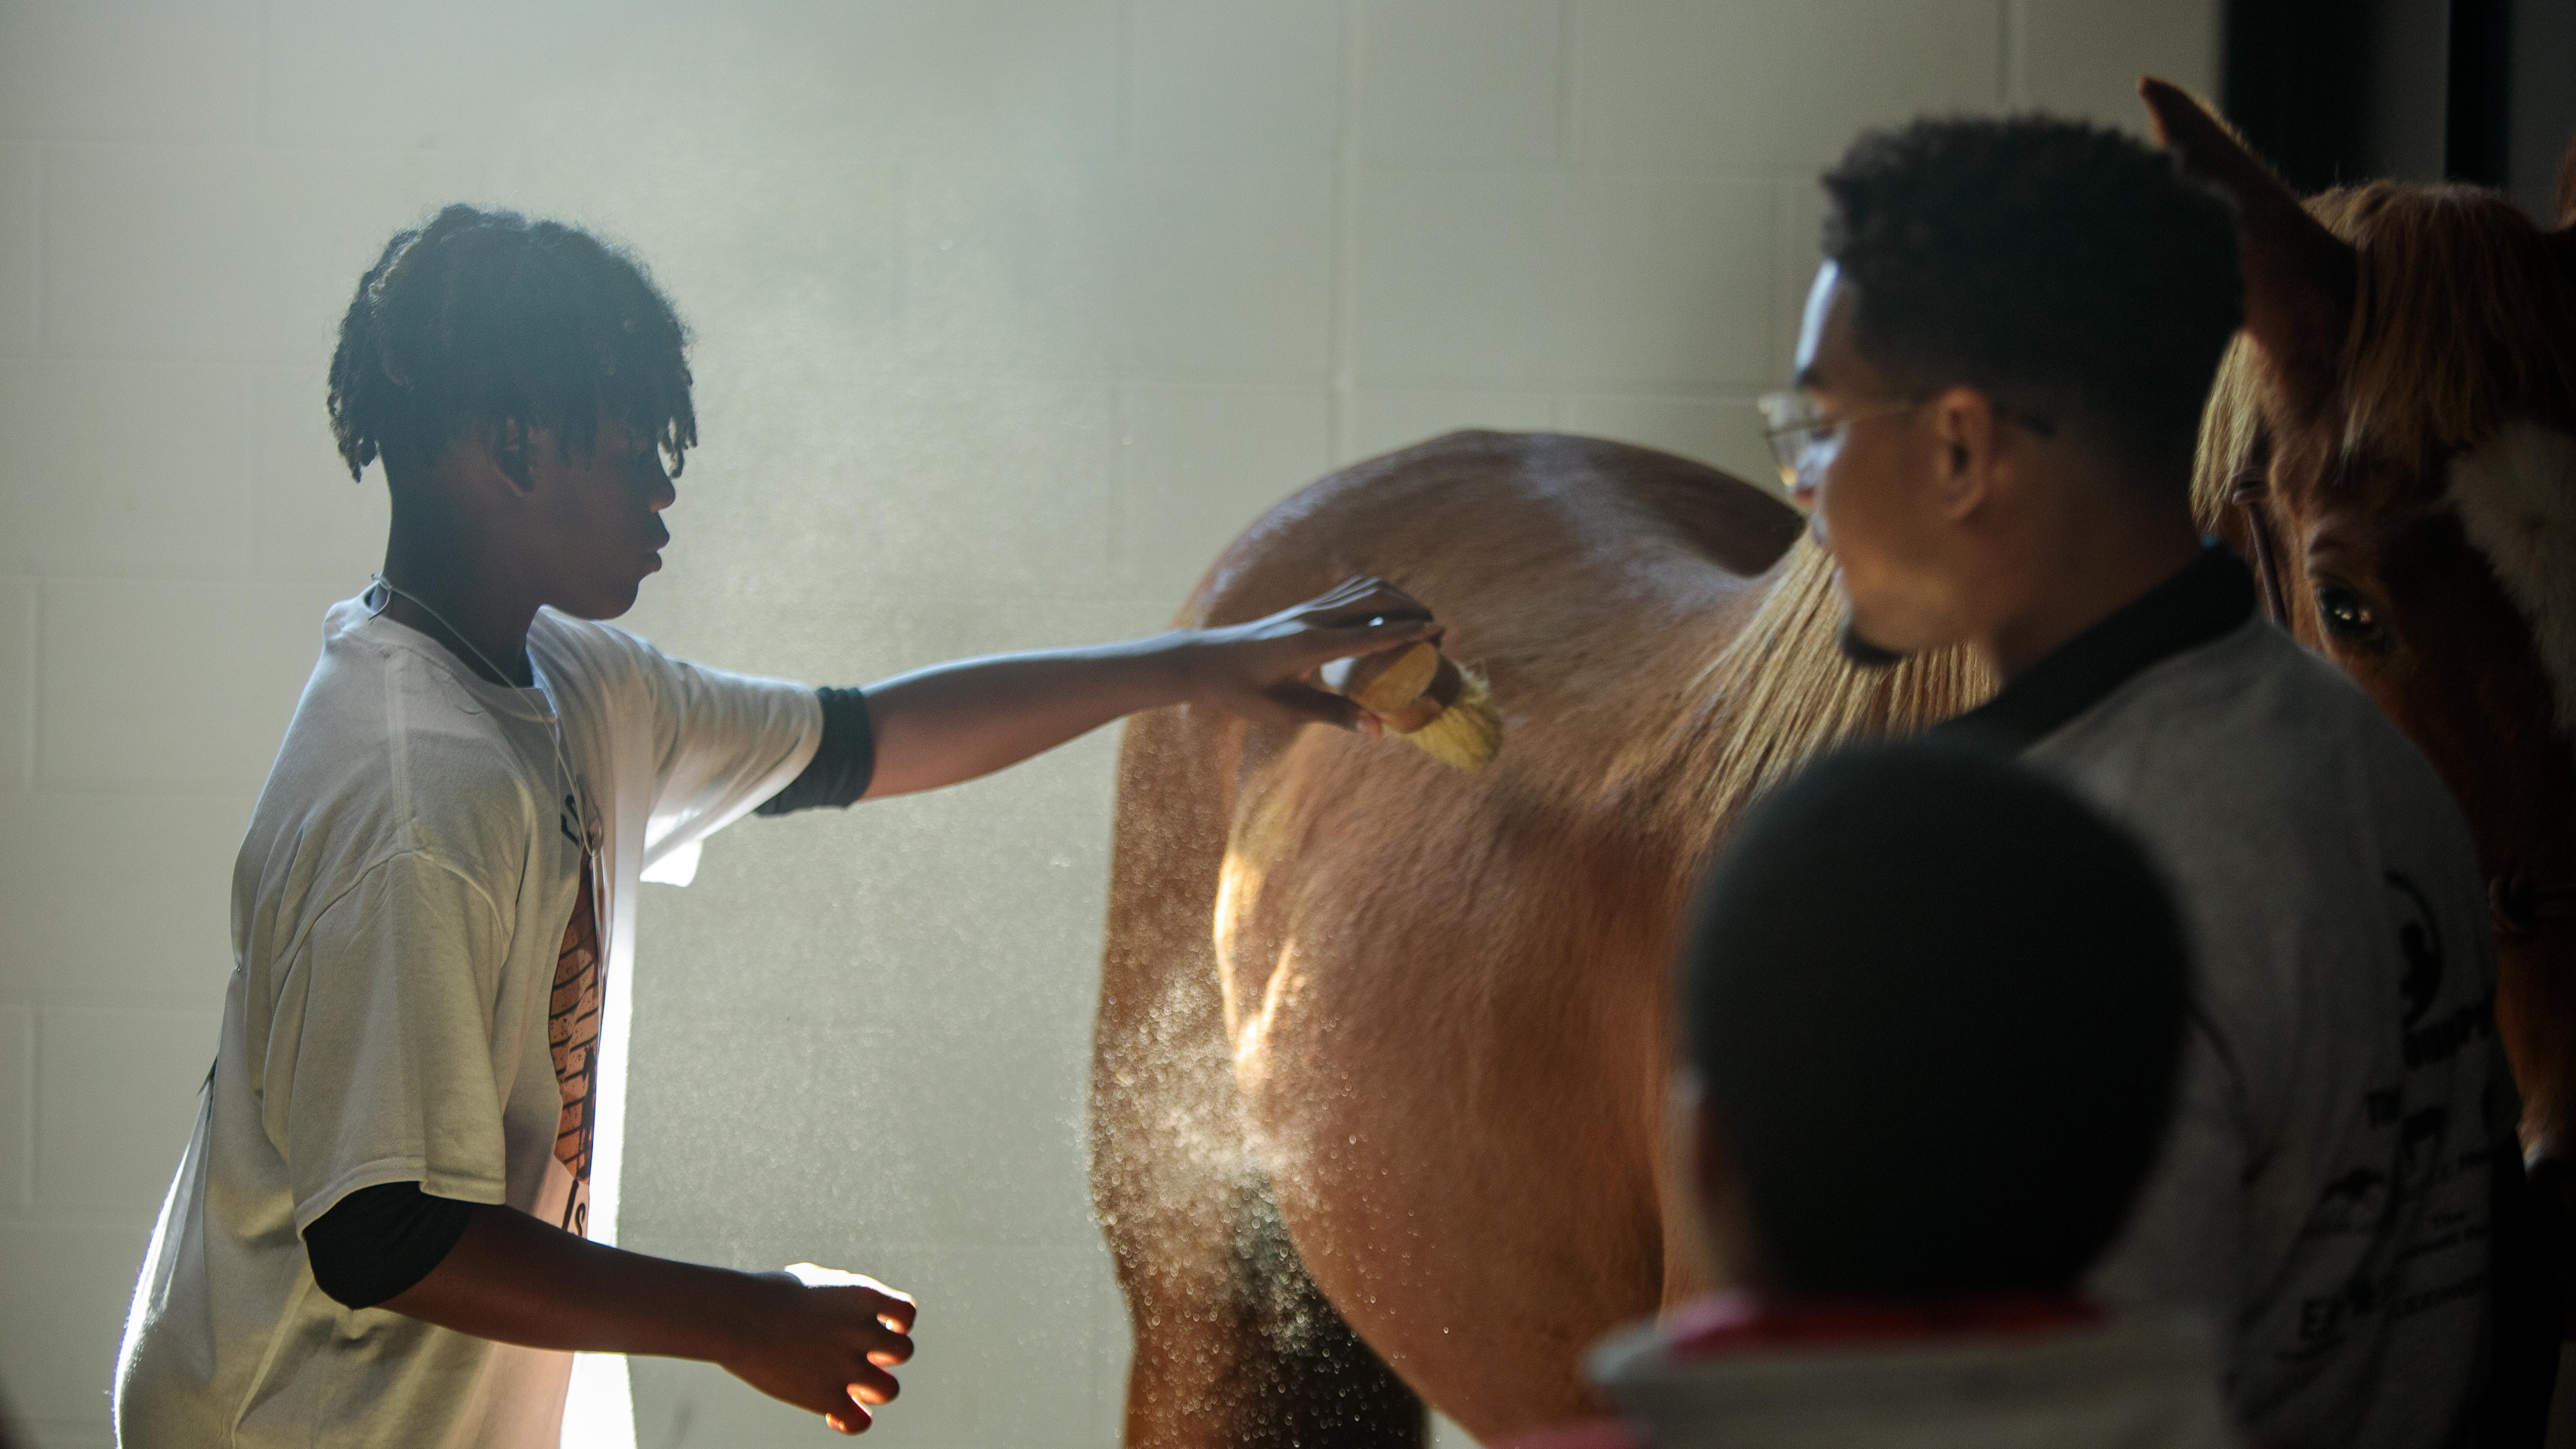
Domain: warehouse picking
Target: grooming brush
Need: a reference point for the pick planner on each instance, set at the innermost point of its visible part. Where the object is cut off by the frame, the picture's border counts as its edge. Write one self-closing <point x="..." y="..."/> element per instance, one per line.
<point x="1425" y="696"/>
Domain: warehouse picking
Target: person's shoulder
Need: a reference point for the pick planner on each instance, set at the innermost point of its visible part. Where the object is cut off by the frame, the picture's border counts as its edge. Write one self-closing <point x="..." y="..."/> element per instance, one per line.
<point x="2267" y="784"/>
<point x="2256" y="678"/>
<point x="379" y="696"/>
<point x="2308" y="709"/>
<point x="600" y="673"/>
<point x="604" y="673"/>
<point x="389" y="749"/>
<point x="2249" y="723"/>
<point x="2262" y="654"/>
<point x="588" y="649"/>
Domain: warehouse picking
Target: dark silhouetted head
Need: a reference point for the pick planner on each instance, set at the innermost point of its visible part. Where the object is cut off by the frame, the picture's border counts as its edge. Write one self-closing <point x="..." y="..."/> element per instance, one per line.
<point x="1936" y="1006"/>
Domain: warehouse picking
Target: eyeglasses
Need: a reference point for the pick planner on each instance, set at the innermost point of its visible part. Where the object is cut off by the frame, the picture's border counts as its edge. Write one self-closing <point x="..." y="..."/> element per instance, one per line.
<point x="1803" y="440"/>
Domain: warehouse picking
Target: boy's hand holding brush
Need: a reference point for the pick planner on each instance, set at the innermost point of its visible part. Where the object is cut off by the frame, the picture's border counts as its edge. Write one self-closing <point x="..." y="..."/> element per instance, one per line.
<point x="1377" y="658"/>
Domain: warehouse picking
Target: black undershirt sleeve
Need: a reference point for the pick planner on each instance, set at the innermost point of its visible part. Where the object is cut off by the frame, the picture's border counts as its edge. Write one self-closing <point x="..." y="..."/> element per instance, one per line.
<point x="380" y="1240"/>
<point x="843" y="763"/>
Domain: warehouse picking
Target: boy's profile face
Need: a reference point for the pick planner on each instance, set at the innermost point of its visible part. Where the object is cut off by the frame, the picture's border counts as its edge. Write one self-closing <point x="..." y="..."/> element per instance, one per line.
<point x="592" y="533"/>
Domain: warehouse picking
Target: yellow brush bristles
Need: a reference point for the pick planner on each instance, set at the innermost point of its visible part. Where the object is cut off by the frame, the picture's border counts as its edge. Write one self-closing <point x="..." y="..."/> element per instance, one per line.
<point x="1469" y="731"/>
<point x="1420" y="694"/>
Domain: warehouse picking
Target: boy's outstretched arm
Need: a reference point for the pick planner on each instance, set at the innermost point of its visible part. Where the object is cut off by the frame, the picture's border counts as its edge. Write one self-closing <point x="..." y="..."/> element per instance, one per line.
<point x="953" y="722"/>
<point x="816" y="1338"/>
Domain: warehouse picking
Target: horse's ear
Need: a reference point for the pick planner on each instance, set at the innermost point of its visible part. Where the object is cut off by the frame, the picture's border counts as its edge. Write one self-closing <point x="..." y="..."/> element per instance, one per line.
<point x="2299" y="277"/>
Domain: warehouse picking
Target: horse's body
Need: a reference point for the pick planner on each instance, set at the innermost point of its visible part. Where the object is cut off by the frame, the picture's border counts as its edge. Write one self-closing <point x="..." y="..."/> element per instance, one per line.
<point x="1381" y="1046"/>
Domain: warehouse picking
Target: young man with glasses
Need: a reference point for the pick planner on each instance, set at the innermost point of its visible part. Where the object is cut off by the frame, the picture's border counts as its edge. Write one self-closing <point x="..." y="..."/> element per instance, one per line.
<point x="2000" y="376"/>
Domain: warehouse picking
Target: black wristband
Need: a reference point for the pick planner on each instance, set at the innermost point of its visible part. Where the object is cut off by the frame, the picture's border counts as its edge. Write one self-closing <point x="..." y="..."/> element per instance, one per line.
<point x="379" y="1241"/>
<point x="843" y="763"/>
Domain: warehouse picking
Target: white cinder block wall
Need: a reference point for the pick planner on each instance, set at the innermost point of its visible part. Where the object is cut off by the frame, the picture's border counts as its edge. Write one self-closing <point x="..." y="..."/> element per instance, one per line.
<point x="1009" y="314"/>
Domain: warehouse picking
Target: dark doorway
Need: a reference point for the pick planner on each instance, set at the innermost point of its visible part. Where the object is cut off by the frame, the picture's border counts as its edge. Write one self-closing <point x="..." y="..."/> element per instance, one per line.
<point x="2333" y="91"/>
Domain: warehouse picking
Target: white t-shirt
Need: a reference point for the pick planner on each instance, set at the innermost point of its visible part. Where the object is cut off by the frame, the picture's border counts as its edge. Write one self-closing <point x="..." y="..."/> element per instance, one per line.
<point x="398" y="909"/>
<point x="2344" y="1100"/>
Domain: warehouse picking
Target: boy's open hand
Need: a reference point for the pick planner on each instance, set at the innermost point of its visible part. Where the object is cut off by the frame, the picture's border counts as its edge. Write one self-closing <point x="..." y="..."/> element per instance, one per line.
<point x="823" y="1340"/>
<point x="1264" y="670"/>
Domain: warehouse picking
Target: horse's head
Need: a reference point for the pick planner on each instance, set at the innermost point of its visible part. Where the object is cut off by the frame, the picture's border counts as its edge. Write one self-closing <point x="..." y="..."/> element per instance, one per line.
<point x="2392" y="441"/>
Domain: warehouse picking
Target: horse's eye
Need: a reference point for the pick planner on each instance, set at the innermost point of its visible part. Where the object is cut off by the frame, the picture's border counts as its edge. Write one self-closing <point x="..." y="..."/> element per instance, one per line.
<point x="2349" y="619"/>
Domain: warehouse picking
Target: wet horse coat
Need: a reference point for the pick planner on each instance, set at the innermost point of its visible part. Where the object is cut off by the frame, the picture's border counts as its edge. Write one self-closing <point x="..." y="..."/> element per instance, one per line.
<point x="1381" y="1043"/>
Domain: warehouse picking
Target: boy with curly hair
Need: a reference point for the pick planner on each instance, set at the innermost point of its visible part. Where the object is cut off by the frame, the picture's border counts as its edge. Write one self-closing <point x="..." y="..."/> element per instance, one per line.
<point x="377" y="1232"/>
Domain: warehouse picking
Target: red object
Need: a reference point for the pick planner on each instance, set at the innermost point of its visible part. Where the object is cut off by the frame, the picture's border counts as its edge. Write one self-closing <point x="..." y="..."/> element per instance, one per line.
<point x="1728" y="1322"/>
<point x="1742" y="1322"/>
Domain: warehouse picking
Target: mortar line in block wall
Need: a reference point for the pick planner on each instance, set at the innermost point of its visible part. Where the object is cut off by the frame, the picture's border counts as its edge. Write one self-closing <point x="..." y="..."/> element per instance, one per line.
<point x="1342" y="323"/>
<point x="1568" y="21"/>
<point x="27" y="1194"/>
<point x="2011" y="27"/>
<point x="25" y="1200"/>
<point x="898" y="206"/>
<point x="83" y="1431"/>
<point x="21" y="765"/>
<point x="151" y="1000"/>
<point x="126" y="787"/>
<point x="1783" y="350"/>
<point x="81" y="1219"/>
<point x="265" y="82"/>
<point x="35" y="277"/>
<point x="1123" y="81"/>
<point x="1550" y="385"/>
<point x="31" y="754"/>
<point x="1122" y="475"/>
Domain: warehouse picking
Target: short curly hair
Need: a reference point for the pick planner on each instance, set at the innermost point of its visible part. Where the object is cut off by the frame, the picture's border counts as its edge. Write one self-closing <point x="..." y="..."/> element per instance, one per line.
<point x="2058" y="265"/>
<point x="481" y="320"/>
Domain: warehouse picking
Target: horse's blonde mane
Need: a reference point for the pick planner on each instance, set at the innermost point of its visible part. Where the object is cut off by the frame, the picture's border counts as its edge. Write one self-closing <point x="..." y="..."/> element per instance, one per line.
<point x="1781" y="691"/>
<point x="2462" y="320"/>
<point x="2231" y="426"/>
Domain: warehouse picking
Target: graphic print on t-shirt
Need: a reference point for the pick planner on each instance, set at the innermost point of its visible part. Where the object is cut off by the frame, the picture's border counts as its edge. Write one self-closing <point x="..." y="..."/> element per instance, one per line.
<point x="572" y="1029"/>
<point x="2422" y="1160"/>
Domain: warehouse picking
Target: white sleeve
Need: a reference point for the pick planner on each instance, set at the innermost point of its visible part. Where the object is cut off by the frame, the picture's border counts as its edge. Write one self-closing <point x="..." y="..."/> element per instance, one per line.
<point x="726" y="742"/>
<point x="379" y="1066"/>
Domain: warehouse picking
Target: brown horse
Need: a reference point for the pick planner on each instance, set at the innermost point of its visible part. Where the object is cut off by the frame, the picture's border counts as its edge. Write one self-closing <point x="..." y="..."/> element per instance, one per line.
<point x="2393" y="443"/>
<point x="1381" y="1046"/>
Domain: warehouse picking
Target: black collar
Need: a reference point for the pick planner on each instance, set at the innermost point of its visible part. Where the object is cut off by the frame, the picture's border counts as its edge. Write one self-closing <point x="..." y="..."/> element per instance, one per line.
<point x="2209" y="597"/>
